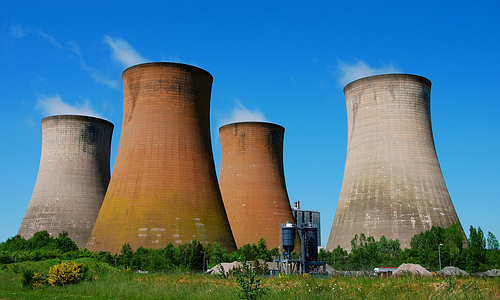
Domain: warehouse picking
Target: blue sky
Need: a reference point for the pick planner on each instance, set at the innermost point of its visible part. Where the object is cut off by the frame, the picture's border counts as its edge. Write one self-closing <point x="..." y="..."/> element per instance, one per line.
<point x="280" y="61"/>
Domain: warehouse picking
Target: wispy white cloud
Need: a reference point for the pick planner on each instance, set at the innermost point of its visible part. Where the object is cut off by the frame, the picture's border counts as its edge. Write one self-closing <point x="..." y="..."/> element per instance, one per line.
<point x="54" y="105"/>
<point x="360" y="69"/>
<point x="50" y="39"/>
<point x="242" y="114"/>
<point x="123" y="52"/>
<point x="97" y="75"/>
<point x="18" y="31"/>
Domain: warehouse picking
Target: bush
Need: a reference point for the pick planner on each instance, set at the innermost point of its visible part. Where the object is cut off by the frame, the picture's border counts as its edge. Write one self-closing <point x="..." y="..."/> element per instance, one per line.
<point x="30" y="278"/>
<point x="250" y="285"/>
<point x="66" y="273"/>
<point x="64" y="243"/>
<point x="27" y="277"/>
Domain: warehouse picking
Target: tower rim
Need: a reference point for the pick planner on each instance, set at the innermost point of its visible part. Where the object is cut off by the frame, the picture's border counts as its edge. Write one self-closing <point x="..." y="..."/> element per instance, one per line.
<point x="165" y="64"/>
<point x="234" y="124"/>
<point x="386" y="76"/>
<point x="81" y="117"/>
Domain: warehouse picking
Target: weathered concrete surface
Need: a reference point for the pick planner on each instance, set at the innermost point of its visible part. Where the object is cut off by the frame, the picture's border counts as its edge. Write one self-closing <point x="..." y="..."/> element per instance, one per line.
<point x="393" y="185"/>
<point x="72" y="179"/>
<point x="252" y="181"/>
<point x="164" y="187"/>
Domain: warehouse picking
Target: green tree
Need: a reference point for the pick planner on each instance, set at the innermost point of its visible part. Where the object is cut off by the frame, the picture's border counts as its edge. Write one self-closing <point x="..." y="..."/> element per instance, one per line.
<point x="389" y="251"/>
<point x="365" y="253"/>
<point x="492" y="241"/>
<point x="41" y="240"/>
<point x="65" y="243"/>
<point x="476" y="252"/>
<point x="126" y="255"/>
<point x="262" y="252"/>
<point x="193" y="254"/>
<point x="337" y="259"/>
<point x="215" y="255"/>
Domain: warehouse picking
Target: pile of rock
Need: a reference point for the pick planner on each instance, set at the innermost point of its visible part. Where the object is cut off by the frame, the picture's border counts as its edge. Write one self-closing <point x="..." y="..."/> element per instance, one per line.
<point x="411" y="269"/>
<point x="224" y="268"/>
<point x="452" y="271"/>
<point x="489" y="273"/>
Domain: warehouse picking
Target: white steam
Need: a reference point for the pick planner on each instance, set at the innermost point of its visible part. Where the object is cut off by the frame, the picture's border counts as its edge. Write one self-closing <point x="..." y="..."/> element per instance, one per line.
<point x="50" y="106"/>
<point x="97" y="75"/>
<point x="18" y="31"/>
<point x="123" y="52"/>
<point x="242" y="114"/>
<point x="50" y="39"/>
<point x="351" y="72"/>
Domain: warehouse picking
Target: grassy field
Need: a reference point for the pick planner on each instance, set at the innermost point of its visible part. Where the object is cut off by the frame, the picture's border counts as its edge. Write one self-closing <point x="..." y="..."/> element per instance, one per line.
<point x="110" y="283"/>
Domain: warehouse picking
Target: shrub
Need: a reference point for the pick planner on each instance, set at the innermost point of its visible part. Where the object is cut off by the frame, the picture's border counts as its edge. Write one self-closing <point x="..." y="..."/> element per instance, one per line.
<point x="30" y="278"/>
<point x="250" y="285"/>
<point x="38" y="281"/>
<point x="65" y="273"/>
<point x="64" y="243"/>
<point x="27" y="277"/>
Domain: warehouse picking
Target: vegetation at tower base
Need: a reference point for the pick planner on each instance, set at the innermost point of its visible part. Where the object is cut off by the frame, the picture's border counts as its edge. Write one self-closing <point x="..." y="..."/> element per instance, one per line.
<point x="111" y="276"/>
<point x="367" y="253"/>
<point x="39" y="247"/>
<point x="185" y="257"/>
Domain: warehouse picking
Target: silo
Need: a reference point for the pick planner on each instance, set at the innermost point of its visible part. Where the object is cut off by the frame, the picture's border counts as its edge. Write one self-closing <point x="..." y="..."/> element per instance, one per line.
<point x="164" y="186"/>
<point x="72" y="177"/>
<point x="252" y="181"/>
<point x="393" y="185"/>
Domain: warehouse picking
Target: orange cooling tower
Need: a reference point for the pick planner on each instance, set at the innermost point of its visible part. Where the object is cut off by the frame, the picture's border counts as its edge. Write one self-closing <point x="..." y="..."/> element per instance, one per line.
<point x="393" y="185"/>
<point x="164" y="187"/>
<point x="72" y="178"/>
<point x="252" y="181"/>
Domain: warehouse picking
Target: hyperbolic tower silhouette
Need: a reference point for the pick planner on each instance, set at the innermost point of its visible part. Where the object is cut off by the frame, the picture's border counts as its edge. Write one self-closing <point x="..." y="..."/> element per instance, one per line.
<point x="164" y="186"/>
<point x="252" y="181"/>
<point x="72" y="177"/>
<point x="393" y="185"/>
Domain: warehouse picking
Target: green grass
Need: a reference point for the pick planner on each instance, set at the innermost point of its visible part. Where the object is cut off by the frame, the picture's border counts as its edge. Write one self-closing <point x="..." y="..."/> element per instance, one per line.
<point x="111" y="283"/>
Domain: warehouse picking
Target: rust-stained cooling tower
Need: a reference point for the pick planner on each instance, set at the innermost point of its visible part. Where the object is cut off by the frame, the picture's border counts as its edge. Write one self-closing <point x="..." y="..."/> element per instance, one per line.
<point x="393" y="185"/>
<point x="252" y="181"/>
<point x="164" y="185"/>
<point x="72" y="177"/>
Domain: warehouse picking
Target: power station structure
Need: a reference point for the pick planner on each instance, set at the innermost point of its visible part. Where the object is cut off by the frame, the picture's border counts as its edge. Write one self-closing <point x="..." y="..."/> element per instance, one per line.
<point x="252" y="181"/>
<point x="164" y="186"/>
<point x="310" y="218"/>
<point x="308" y="261"/>
<point x="72" y="178"/>
<point x="393" y="185"/>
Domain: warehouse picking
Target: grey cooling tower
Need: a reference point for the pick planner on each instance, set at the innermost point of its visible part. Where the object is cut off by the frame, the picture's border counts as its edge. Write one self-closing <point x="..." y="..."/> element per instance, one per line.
<point x="72" y="179"/>
<point x="393" y="185"/>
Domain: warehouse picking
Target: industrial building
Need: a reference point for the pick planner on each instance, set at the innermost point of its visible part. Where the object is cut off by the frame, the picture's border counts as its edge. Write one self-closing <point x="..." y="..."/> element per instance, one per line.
<point x="164" y="186"/>
<point x="252" y="181"/>
<point x="392" y="185"/>
<point x="72" y="178"/>
<point x="305" y="217"/>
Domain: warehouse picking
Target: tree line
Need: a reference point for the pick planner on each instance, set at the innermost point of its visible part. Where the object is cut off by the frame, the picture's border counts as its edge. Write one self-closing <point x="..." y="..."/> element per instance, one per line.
<point x="194" y="256"/>
<point x="475" y="254"/>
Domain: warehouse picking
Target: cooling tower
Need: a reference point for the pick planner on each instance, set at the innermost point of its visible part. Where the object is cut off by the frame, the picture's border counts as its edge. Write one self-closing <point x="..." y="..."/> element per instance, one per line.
<point x="252" y="181"/>
<point x="72" y="177"/>
<point x="164" y="186"/>
<point x="393" y="185"/>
